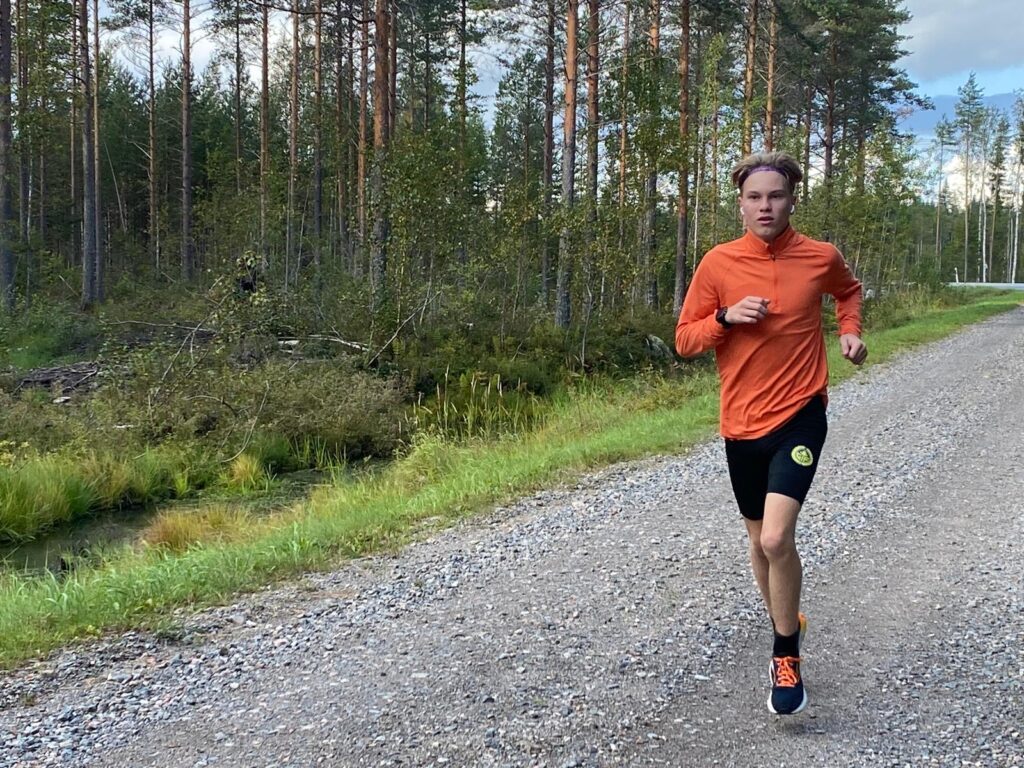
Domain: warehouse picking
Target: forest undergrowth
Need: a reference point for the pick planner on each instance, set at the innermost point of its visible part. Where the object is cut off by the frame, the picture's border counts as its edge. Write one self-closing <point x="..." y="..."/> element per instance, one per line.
<point x="455" y="437"/>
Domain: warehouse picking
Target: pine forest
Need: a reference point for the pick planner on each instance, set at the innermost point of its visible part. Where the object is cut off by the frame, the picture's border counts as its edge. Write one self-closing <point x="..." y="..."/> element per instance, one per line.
<point x="307" y="232"/>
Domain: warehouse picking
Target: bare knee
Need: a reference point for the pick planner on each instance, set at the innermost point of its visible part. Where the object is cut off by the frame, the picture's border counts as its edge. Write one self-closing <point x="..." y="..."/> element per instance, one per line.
<point x="777" y="545"/>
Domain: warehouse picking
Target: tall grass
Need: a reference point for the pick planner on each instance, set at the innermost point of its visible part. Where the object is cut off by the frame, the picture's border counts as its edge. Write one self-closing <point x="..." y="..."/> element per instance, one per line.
<point x="477" y="405"/>
<point x="439" y="479"/>
<point x="177" y="530"/>
<point x="40" y="492"/>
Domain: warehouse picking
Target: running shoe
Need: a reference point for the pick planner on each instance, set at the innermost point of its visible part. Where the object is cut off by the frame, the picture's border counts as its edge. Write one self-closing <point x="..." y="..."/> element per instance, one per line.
<point x="788" y="695"/>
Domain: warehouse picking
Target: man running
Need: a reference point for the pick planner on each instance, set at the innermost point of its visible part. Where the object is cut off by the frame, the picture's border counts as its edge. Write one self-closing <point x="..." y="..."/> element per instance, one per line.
<point x="757" y="302"/>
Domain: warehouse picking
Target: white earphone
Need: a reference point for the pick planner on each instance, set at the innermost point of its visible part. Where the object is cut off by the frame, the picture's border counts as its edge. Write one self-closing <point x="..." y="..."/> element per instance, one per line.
<point x="792" y="209"/>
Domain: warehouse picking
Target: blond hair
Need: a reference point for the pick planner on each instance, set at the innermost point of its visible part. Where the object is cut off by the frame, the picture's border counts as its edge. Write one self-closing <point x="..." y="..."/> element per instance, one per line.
<point x="780" y="162"/>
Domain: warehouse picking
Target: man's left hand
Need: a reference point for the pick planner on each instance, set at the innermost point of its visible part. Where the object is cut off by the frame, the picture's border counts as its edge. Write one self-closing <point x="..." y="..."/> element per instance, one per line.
<point x="853" y="348"/>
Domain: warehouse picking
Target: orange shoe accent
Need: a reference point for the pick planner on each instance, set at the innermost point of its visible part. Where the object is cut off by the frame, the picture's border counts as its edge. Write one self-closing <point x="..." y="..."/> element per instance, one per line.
<point x="785" y="671"/>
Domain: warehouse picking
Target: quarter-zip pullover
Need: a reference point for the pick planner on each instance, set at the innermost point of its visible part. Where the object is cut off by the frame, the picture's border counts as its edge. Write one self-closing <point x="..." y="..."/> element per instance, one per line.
<point x="770" y="369"/>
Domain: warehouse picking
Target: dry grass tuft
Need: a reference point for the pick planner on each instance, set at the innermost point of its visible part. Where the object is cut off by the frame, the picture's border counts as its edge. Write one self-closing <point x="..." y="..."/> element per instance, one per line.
<point x="178" y="530"/>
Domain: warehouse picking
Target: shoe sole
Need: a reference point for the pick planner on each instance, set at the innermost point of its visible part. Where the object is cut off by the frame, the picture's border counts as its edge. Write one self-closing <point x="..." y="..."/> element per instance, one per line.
<point x="795" y="711"/>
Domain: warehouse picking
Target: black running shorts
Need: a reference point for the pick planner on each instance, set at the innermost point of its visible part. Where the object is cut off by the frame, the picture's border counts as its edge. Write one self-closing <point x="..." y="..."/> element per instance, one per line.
<point x="783" y="461"/>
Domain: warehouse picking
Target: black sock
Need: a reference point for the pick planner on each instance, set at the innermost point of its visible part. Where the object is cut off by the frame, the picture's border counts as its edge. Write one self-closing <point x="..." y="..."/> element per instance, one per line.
<point x="786" y="645"/>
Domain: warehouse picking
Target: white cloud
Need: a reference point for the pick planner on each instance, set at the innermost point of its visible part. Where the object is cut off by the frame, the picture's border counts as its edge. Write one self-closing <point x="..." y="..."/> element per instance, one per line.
<point x="950" y="37"/>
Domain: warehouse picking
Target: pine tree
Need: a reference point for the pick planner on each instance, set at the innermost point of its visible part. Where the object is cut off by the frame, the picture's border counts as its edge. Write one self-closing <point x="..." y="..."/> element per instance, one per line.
<point x="969" y="115"/>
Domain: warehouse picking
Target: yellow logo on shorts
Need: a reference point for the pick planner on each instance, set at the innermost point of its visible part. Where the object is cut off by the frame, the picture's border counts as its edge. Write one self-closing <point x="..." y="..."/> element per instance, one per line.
<point x="802" y="455"/>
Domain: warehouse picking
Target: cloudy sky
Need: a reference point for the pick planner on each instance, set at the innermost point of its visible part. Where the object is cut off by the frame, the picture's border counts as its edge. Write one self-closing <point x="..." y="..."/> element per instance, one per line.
<point x="950" y="38"/>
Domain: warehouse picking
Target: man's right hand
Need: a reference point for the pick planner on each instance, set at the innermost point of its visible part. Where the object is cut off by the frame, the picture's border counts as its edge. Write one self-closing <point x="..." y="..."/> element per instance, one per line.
<point x="750" y="310"/>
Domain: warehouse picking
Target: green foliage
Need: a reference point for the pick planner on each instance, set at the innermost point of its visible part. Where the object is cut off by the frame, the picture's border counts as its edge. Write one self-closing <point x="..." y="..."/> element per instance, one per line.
<point x="437" y="481"/>
<point x="40" y="338"/>
<point x="897" y="308"/>
<point x="477" y="405"/>
<point x="246" y="472"/>
<point x="38" y="492"/>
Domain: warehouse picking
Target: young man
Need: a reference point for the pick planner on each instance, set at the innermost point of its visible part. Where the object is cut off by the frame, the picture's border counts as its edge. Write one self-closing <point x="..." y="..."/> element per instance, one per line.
<point x="757" y="302"/>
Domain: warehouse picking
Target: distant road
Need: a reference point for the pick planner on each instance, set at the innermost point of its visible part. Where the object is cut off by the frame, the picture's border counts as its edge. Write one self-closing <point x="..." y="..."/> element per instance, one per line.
<point x="998" y="286"/>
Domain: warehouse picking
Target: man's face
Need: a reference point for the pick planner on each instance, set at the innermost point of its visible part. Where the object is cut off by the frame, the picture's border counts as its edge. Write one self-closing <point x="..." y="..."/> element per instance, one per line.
<point x="765" y="203"/>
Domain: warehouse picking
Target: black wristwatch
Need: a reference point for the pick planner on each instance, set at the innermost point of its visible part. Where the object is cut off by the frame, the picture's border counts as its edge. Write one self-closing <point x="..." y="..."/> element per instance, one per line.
<point x="720" y="317"/>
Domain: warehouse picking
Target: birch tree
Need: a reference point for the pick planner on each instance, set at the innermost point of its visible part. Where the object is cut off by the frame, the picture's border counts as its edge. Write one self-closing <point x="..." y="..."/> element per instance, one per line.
<point x="90" y="249"/>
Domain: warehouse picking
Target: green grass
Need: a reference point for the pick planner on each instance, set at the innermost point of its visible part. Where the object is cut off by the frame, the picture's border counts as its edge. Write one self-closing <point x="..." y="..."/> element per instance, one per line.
<point x="436" y="482"/>
<point x="41" y="492"/>
<point x="40" y="339"/>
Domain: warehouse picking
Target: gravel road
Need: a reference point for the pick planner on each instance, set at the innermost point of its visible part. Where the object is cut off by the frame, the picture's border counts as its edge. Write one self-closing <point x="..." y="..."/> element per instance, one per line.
<point x="615" y="622"/>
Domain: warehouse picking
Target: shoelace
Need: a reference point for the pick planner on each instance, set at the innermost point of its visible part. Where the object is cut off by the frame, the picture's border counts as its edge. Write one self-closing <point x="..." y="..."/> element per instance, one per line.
<point x="787" y="671"/>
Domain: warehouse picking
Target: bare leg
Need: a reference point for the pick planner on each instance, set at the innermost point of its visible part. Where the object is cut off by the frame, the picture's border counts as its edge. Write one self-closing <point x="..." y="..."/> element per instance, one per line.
<point x="758" y="561"/>
<point x="785" y="573"/>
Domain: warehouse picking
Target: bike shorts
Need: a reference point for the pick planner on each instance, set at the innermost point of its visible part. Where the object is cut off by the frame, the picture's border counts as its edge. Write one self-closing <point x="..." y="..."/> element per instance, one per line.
<point x="783" y="461"/>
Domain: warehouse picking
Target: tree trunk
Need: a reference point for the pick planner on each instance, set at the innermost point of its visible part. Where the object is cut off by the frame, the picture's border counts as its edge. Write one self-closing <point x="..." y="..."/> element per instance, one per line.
<point x="291" y="230"/>
<point x="682" y="278"/>
<point x="563" y="286"/>
<point x="463" y="111"/>
<point x="549" y="154"/>
<point x="364" y="95"/>
<point x="392" y="66"/>
<point x="982" y="224"/>
<point x="829" y="130"/>
<point x="650" y="227"/>
<point x="748" y="78"/>
<point x="593" y="119"/>
<point x="97" y="207"/>
<point x="808" y="115"/>
<point x="993" y="220"/>
<point x="152" y="242"/>
<point x="624" y="127"/>
<point x="89" y="293"/>
<point x="1014" y="259"/>
<point x="43" y="189"/>
<point x="24" y="108"/>
<point x="73" y="161"/>
<point x="715" y="196"/>
<point x="6" y="138"/>
<point x="265" y="139"/>
<point x="829" y="136"/>
<point x="187" y="250"/>
<point x="938" y="212"/>
<point x="769" y="106"/>
<point x="343" y="118"/>
<point x="381" y="133"/>
<point x="318" y="122"/>
<point x="239" y="64"/>
<point x="427" y="82"/>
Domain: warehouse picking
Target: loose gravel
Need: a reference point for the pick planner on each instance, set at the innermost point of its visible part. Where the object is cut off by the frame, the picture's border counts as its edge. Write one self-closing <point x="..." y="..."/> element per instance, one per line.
<point x="615" y="622"/>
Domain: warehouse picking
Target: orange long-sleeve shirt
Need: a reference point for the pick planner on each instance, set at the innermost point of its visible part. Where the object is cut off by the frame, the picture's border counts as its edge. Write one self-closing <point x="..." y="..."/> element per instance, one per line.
<point x="770" y="369"/>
